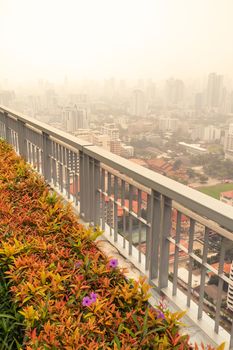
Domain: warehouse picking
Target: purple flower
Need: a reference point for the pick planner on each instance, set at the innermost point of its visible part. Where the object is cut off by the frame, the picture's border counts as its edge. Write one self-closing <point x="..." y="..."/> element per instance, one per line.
<point x="86" y="301"/>
<point x="93" y="297"/>
<point x="160" y="314"/>
<point x="113" y="263"/>
<point x="77" y="264"/>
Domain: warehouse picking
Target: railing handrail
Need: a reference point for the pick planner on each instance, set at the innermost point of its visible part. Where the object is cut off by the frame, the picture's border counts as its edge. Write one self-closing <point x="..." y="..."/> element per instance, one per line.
<point x="188" y="197"/>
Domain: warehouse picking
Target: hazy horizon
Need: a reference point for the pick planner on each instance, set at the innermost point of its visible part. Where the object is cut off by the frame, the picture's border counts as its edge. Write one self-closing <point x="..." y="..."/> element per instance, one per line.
<point x="126" y="39"/>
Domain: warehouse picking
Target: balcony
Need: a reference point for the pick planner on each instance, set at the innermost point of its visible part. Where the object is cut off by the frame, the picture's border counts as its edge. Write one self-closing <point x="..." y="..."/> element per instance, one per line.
<point x="168" y="231"/>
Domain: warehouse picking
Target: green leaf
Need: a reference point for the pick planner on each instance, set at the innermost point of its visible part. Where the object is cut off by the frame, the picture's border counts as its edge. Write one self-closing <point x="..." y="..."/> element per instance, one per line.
<point x="136" y="322"/>
<point x="117" y="341"/>
<point x="8" y="316"/>
<point x="145" y="326"/>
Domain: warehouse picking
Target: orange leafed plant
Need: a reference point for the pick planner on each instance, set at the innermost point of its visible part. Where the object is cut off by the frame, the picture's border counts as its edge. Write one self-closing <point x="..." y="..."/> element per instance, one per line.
<point x="69" y="294"/>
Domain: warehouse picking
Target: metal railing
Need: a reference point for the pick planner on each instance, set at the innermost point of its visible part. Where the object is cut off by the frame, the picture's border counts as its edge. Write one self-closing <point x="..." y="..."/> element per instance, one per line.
<point x="172" y="233"/>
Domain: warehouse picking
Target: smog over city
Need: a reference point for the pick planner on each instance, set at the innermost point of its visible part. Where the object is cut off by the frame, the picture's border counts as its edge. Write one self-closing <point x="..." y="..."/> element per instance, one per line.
<point x="126" y="108"/>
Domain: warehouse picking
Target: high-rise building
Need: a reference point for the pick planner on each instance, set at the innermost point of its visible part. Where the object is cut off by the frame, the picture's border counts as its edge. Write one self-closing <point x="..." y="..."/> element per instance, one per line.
<point x="174" y="91"/>
<point x="214" y="90"/>
<point x="138" y="105"/>
<point x="199" y="102"/>
<point x="228" y="142"/>
<point x="74" y="118"/>
<point x="226" y="106"/>
<point x="208" y="134"/>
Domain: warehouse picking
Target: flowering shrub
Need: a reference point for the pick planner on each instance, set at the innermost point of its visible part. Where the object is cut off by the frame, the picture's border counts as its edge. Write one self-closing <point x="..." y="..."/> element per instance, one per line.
<point x="69" y="294"/>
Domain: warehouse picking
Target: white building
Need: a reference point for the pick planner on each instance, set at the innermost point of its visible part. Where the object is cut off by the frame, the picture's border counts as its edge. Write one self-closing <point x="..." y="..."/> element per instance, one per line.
<point x="110" y="130"/>
<point x="84" y="134"/>
<point x="228" y="142"/>
<point x="74" y="118"/>
<point x="138" y="105"/>
<point x="101" y="140"/>
<point x="208" y="134"/>
<point x="183" y="276"/>
<point x="211" y="133"/>
<point x="127" y="151"/>
<point x="214" y="90"/>
<point x="168" y="124"/>
<point x="193" y="148"/>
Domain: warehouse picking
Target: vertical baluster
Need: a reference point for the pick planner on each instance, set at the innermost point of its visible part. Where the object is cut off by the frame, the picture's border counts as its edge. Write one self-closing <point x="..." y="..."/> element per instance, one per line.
<point x="109" y="204"/>
<point x="96" y="192"/>
<point x="38" y="159"/>
<point x="72" y="174"/>
<point x="29" y="152"/>
<point x="60" y="168"/>
<point x="220" y="283"/>
<point x="88" y="183"/>
<point x="164" y="243"/>
<point x="103" y="206"/>
<point x="123" y="206"/>
<point x="68" y="182"/>
<point x="55" y="164"/>
<point x="76" y="179"/>
<point x="155" y="234"/>
<point x="190" y="250"/>
<point x="130" y="219"/>
<point x="176" y="257"/>
<point x="7" y="129"/>
<point x="33" y="156"/>
<point x="115" y="208"/>
<point x="203" y="273"/>
<point x="139" y="215"/>
<point x="22" y="139"/>
<point x="46" y="161"/>
<point x="148" y="232"/>
<point x="92" y="189"/>
<point x="81" y="182"/>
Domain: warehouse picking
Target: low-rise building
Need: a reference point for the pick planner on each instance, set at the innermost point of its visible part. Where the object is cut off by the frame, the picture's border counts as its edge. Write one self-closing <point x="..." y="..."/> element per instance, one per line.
<point x="168" y="124"/>
<point x="127" y="151"/>
<point x="227" y="197"/>
<point x="193" y="148"/>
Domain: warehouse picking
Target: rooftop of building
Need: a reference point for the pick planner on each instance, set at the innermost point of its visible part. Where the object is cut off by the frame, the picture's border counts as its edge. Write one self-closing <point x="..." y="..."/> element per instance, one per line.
<point x="227" y="194"/>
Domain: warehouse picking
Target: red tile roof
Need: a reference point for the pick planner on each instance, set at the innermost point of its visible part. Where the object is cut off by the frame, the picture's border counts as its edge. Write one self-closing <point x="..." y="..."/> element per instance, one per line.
<point x="226" y="269"/>
<point x="227" y="194"/>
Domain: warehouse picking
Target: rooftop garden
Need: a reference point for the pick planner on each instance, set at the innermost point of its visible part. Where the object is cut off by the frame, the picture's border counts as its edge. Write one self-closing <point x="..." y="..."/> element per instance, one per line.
<point x="57" y="289"/>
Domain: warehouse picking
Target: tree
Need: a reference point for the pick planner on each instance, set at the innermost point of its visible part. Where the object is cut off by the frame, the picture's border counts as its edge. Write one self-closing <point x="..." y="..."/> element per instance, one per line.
<point x="177" y="164"/>
<point x="191" y="173"/>
<point x="203" y="178"/>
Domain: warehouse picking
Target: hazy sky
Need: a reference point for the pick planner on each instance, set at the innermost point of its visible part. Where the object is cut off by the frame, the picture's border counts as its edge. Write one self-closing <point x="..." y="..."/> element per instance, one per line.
<point x="121" y="38"/>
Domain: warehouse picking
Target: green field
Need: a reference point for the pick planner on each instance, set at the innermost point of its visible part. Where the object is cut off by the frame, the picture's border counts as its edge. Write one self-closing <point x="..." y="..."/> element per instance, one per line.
<point x="214" y="191"/>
